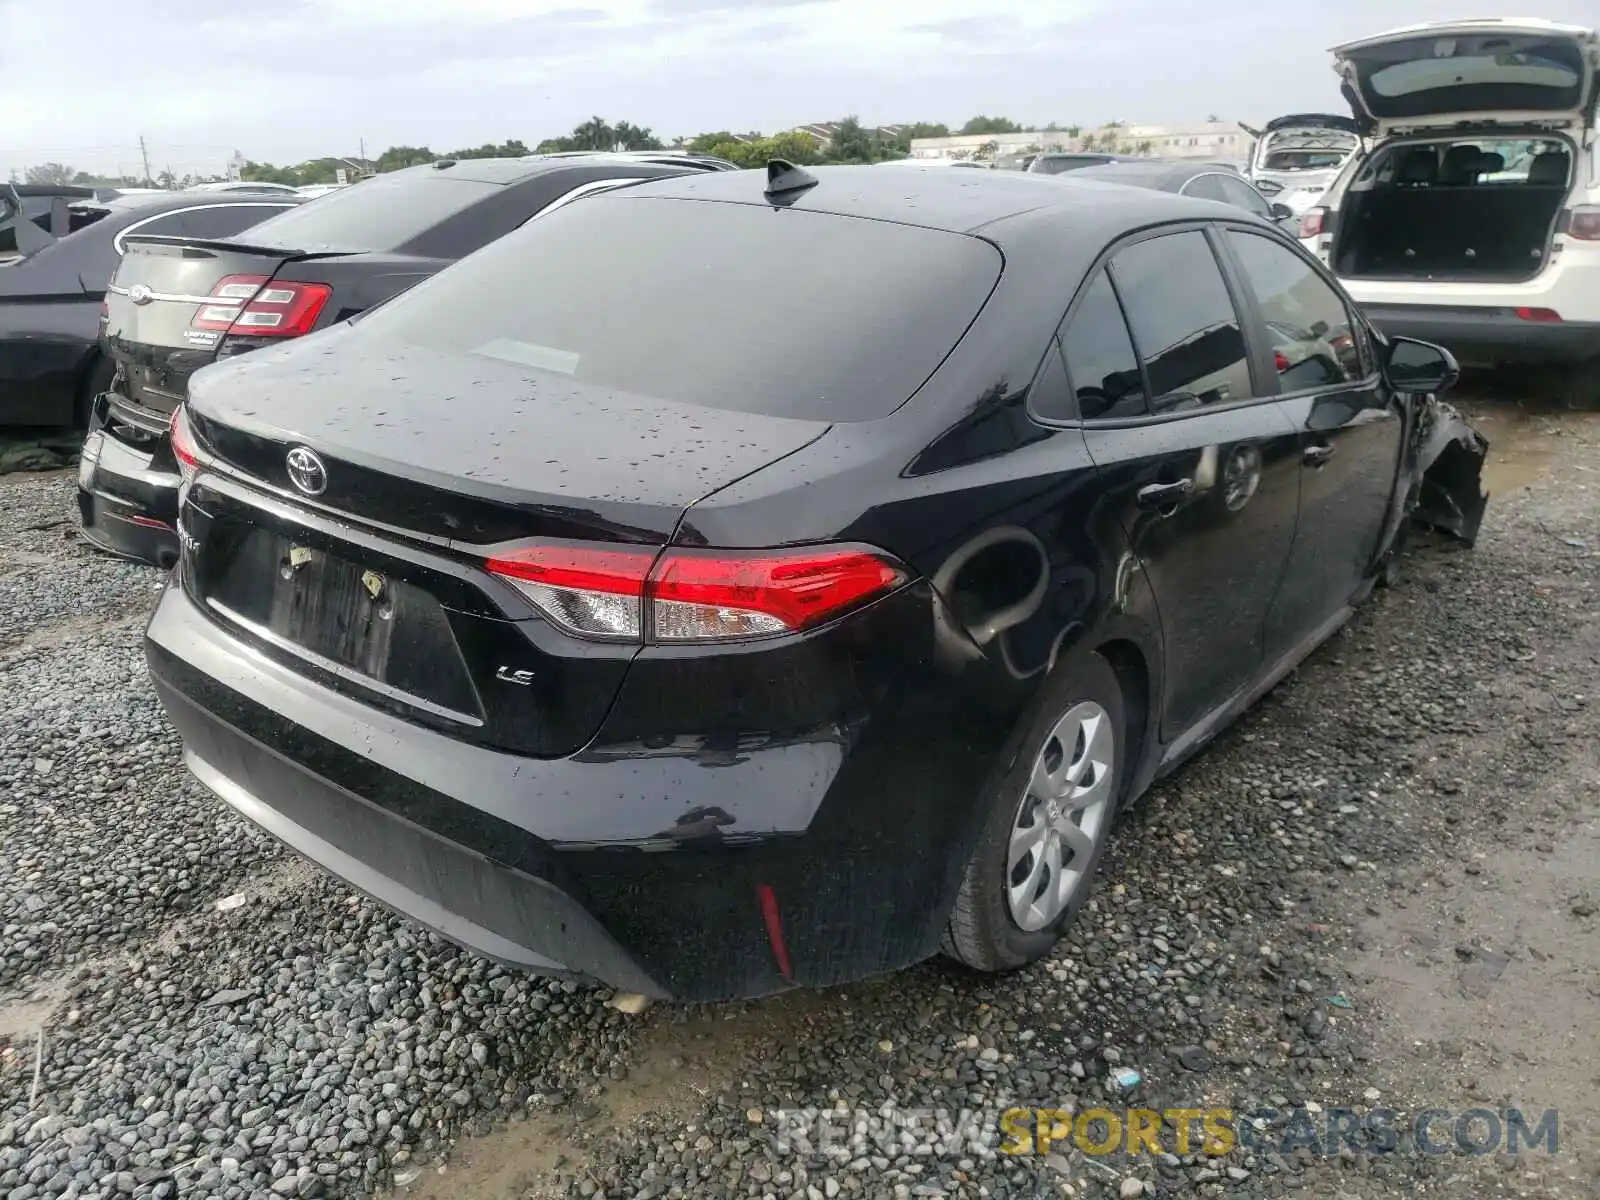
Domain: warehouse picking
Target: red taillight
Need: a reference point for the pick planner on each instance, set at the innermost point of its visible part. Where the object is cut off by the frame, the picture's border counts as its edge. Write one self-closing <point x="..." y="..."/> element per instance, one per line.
<point x="1311" y="222"/>
<point x="183" y="445"/>
<point x="251" y="304"/>
<point x="694" y="595"/>
<point x="1279" y="362"/>
<point x="1537" y="314"/>
<point x="1585" y="223"/>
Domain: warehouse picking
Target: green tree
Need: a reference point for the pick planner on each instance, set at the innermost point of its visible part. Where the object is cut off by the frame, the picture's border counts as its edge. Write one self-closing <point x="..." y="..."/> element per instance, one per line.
<point x="510" y="149"/>
<point x="396" y="157"/>
<point x="982" y="124"/>
<point x="597" y="134"/>
<point x="267" y="173"/>
<point x="851" y="143"/>
<point x="54" y="173"/>
<point x="798" y="148"/>
<point x="703" y="143"/>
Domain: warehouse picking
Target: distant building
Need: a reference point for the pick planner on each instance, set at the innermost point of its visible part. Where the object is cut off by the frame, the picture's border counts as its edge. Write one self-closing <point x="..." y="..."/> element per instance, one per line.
<point x="1207" y="140"/>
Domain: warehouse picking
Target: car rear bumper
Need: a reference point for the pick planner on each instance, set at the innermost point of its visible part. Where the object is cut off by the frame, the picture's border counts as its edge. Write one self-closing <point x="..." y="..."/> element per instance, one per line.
<point x="1486" y="336"/>
<point x="691" y="873"/>
<point x="128" y="494"/>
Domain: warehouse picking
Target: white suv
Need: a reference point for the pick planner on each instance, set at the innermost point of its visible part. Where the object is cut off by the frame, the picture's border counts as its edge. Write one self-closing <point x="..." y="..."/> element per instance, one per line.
<point x="1471" y="217"/>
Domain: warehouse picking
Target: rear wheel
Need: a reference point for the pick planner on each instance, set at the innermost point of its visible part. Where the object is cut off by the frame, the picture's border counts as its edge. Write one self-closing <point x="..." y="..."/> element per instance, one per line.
<point x="1049" y="821"/>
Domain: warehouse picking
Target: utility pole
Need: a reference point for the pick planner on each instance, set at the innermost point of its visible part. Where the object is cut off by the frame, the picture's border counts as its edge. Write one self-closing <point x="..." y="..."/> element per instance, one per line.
<point x="363" y="142"/>
<point x="145" y="154"/>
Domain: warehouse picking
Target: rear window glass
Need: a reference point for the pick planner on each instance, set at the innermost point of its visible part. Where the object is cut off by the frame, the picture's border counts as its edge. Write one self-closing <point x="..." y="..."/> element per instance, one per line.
<point x="381" y="213"/>
<point x="1049" y="164"/>
<point x="741" y="307"/>
<point x="1471" y="74"/>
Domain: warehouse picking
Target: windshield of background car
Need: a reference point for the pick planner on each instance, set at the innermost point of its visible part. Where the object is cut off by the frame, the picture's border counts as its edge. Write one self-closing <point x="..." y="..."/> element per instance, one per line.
<point x="381" y="213"/>
<point x="744" y="307"/>
<point x="1458" y="74"/>
<point x="1047" y="164"/>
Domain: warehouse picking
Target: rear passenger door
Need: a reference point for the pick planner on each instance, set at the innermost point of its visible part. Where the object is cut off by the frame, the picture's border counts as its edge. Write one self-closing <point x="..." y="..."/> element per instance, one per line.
<point x="1326" y="376"/>
<point x="1192" y="451"/>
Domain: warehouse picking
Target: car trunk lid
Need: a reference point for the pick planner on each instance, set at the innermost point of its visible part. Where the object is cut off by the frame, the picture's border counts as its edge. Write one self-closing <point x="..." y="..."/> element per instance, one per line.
<point x="1498" y="71"/>
<point x="430" y="464"/>
<point x="164" y="318"/>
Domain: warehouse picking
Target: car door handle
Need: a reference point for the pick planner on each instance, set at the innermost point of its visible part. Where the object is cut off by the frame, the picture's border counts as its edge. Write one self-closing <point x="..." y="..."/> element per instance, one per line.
<point x="1164" y="495"/>
<point x="1315" y="456"/>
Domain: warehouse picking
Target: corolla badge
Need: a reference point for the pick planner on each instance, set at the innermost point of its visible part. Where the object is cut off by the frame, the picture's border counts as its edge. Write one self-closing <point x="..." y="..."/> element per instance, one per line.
<point x="140" y="293"/>
<point x="306" y="471"/>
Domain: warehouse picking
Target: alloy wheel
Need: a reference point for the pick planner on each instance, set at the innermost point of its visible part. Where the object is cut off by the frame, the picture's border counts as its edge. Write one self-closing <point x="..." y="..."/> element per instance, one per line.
<point x="1062" y="817"/>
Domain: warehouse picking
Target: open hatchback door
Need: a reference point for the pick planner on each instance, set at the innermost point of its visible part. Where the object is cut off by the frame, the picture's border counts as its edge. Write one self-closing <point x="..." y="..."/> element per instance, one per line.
<point x="1503" y="71"/>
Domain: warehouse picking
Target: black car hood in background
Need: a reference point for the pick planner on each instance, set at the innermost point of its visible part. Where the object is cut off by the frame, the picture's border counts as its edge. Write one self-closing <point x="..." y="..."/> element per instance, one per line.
<point x="476" y="449"/>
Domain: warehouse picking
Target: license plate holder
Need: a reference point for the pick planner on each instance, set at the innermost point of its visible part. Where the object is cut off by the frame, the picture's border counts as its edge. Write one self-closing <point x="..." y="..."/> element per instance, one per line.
<point x="343" y="615"/>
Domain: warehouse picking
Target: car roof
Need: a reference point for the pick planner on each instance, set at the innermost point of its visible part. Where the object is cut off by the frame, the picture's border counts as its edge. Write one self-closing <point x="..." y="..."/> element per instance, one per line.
<point x="954" y="201"/>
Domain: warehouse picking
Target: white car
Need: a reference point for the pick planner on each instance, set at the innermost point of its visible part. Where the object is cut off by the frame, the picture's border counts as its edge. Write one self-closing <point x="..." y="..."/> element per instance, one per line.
<point x="1472" y="218"/>
<point x="1298" y="156"/>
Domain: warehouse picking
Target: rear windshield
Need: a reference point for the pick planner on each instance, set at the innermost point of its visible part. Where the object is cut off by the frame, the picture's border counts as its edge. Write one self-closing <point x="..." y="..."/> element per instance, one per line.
<point x="1423" y="76"/>
<point x="1047" y="164"/>
<point x="381" y="213"/>
<point x="742" y="307"/>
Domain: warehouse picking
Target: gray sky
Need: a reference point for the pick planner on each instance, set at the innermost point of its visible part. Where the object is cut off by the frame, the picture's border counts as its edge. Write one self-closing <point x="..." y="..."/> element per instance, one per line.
<point x="285" y="80"/>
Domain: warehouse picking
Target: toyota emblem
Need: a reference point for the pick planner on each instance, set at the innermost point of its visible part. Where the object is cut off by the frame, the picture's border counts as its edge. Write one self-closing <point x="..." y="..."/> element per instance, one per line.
<point x="306" y="471"/>
<point x="140" y="293"/>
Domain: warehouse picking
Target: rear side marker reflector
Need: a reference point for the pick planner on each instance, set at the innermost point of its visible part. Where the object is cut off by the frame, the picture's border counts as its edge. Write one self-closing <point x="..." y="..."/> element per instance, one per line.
<point x="1537" y="314"/>
<point x="684" y="596"/>
<point x="250" y="304"/>
<point x="183" y="445"/>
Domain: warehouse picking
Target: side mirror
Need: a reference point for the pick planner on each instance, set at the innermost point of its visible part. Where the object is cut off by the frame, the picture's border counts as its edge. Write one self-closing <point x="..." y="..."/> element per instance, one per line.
<point x="1415" y="366"/>
<point x="1281" y="212"/>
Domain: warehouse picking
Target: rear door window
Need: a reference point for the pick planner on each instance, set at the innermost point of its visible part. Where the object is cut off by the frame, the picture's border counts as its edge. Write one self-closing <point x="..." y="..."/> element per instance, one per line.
<point x="1308" y="325"/>
<point x="381" y="213"/>
<point x="1106" y="380"/>
<point x="1183" y="321"/>
<point x="733" y="306"/>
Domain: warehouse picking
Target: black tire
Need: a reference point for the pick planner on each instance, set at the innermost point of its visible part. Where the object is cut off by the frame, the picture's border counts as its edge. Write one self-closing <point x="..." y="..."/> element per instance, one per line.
<point x="982" y="933"/>
<point x="96" y="379"/>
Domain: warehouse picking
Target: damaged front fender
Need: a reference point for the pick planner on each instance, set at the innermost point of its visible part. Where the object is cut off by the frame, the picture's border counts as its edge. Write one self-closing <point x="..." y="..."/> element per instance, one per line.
<point x="1446" y="491"/>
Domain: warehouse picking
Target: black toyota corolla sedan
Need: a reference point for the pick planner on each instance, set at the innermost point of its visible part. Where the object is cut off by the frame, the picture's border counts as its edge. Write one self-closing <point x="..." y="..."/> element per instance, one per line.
<point x="750" y="580"/>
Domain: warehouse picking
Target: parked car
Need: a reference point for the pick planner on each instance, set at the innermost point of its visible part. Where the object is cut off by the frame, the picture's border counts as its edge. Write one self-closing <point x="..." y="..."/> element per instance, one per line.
<point x="1053" y="162"/>
<point x="934" y="162"/>
<point x="244" y="185"/>
<point x="40" y="203"/>
<point x="667" y="158"/>
<point x="476" y="590"/>
<point x="1296" y="157"/>
<point x="51" y="295"/>
<point x="177" y="305"/>
<point x="312" y="190"/>
<point x="1204" y="181"/>
<point x="1432" y="232"/>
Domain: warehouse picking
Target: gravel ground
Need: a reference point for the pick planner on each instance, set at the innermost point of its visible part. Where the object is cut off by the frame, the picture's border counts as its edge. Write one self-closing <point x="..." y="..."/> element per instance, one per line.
<point x="295" y="1040"/>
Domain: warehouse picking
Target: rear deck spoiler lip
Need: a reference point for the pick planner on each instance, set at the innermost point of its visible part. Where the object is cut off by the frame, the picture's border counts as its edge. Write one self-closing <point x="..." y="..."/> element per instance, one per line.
<point x="173" y="239"/>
